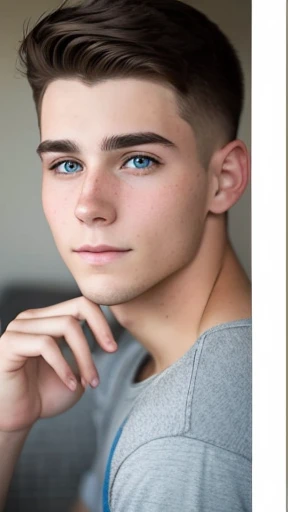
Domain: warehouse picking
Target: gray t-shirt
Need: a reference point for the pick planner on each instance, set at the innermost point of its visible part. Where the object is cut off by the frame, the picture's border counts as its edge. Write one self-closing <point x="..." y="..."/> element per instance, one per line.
<point x="185" y="444"/>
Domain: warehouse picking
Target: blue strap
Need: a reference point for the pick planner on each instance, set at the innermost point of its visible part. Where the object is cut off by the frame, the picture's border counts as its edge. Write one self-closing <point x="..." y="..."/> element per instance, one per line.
<point x="106" y="507"/>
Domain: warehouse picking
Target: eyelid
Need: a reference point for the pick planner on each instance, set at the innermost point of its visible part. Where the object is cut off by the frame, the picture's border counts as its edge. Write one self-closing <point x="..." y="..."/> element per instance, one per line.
<point x="62" y="161"/>
<point x="141" y="155"/>
<point x="154" y="159"/>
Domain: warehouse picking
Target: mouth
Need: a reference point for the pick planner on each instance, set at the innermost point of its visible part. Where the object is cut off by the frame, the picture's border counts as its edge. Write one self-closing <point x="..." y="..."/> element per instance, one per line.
<point x="101" y="254"/>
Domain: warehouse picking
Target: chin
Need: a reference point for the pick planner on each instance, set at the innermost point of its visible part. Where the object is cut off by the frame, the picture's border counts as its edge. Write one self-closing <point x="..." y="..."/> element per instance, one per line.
<point x="107" y="295"/>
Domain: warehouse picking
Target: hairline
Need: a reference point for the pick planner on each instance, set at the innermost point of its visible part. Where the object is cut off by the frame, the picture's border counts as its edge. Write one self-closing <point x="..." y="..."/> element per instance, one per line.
<point x="204" y="153"/>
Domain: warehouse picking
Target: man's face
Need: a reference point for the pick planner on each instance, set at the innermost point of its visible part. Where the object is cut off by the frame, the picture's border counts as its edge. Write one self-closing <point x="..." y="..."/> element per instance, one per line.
<point x="103" y="196"/>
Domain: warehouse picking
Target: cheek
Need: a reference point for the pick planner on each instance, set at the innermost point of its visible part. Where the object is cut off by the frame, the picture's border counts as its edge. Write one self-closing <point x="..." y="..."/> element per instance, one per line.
<point x="173" y="224"/>
<point x="179" y="206"/>
<point x="55" y="208"/>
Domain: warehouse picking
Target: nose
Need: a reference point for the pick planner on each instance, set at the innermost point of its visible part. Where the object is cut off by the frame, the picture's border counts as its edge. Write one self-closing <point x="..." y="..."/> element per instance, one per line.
<point x="96" y="200"/>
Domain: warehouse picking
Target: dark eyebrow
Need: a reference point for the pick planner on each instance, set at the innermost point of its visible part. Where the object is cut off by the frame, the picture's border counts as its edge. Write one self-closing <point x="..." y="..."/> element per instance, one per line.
<point x="134" y="139"/>
<point x="108" y="144"/>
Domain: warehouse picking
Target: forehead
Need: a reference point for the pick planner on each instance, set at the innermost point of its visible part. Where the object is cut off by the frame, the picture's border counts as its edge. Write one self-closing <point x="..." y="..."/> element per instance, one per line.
<point x="125" y="105"/>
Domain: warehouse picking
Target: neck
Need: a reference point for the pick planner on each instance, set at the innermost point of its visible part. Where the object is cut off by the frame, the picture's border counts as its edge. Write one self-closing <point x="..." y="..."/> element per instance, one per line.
<point x="212" y="289"/>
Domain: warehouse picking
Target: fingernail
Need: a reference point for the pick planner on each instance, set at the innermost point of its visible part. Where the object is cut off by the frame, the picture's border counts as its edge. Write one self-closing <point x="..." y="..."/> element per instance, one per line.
<point x="83" y="382"/>
<point x="72" y="384"/>
<point x="94" y="383"/>
<point x="112" y="344"/>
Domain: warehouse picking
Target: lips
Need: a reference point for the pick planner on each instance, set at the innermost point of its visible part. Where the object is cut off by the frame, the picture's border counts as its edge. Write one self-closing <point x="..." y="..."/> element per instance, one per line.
<point x="100" y="248"/>
<point x="101" y="254"/>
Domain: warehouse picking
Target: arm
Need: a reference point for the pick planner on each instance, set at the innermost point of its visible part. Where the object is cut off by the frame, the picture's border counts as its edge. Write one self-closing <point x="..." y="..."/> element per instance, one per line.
<point x="11" y="444"/>
<point x="179" y="474"/>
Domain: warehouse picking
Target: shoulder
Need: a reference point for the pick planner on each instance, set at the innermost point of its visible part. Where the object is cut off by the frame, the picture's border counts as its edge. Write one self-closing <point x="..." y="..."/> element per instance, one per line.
<point x="194" y="417"/>
<point x="171" y="473"/>
<point x="205" y="395"/>
<point x="221" y="405"/>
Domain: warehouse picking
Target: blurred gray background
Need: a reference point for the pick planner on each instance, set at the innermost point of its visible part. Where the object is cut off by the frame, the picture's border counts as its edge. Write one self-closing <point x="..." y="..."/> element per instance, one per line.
<point x="27" y="251"/>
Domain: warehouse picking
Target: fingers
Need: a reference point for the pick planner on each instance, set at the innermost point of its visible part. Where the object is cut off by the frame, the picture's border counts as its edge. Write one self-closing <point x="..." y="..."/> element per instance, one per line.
<point x="56" y="327"/>
<point x="81" y="309"/>
<point x="18" y="347"/>
<point x="60" y="320"/>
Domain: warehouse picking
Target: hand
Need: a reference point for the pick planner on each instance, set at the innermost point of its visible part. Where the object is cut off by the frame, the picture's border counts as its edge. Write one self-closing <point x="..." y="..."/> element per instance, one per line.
<point x="35" y="379"/>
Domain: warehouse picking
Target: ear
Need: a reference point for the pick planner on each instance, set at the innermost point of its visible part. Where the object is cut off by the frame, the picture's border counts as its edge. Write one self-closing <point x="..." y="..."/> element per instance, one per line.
<point x="230" y="173"/>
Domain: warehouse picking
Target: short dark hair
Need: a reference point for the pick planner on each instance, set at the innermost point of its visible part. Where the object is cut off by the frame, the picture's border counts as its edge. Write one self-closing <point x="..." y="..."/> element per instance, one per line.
<point x="166" y="41"/>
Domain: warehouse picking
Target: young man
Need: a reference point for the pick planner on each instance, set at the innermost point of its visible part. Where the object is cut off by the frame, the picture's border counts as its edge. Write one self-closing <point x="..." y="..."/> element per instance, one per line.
<point x="138" y="105"/>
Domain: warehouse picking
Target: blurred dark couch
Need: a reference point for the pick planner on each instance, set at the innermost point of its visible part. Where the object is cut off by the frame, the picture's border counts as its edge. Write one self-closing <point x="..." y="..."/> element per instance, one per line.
<point x="58" y="450"/>
<point x="17" y="298"/>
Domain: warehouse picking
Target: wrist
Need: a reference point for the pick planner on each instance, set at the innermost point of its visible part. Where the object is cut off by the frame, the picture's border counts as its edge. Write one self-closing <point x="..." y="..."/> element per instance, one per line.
<point x="13" y="437"/>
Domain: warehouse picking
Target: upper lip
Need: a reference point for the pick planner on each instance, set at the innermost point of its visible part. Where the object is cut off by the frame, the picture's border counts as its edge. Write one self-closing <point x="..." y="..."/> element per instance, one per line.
<point x="99" y="248"/>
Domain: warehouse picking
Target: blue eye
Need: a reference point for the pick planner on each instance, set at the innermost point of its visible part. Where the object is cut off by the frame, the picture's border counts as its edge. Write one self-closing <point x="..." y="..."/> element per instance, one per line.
<point x="69" y="166"/>
<point x="141" y="162"/>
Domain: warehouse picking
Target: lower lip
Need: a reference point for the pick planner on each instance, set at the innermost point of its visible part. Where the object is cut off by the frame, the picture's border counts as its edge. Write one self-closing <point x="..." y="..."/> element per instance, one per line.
<point x="100" y="258"/>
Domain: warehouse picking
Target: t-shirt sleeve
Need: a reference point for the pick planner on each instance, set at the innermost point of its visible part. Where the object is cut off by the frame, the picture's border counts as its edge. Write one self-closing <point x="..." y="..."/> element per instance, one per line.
<point x="180" y="474"/>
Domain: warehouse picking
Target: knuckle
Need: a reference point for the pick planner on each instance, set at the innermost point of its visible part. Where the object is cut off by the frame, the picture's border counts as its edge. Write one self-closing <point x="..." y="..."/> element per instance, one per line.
<point x="47" y="341"/>
<point x="87" y="304"/>
<point x="83" y="300"/>
<point x="77" y="306"/>
<point x="24" y="314"/>
<point x="13" y="325"/>
<point x="70" y="323"/>
<point x="6" y="336"/>
<point x="81" y="305"/>
<point x="10" y="326"/>
<point x="8" y="343"/>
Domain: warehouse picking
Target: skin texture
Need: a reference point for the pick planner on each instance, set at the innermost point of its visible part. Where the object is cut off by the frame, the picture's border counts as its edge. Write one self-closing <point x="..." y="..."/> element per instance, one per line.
<point x="180" y="275"/>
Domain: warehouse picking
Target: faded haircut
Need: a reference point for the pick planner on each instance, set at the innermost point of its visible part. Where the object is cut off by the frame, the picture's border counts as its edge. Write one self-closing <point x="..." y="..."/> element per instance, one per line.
<point x="165" y="41"/>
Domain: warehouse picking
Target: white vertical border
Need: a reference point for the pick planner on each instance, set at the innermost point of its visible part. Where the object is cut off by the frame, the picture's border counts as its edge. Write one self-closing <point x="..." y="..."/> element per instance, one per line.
<point x="269" y="254"/>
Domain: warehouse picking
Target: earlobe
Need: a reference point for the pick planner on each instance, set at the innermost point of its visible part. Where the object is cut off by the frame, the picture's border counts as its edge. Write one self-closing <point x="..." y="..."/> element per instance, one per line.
<point x="231" y="175"/>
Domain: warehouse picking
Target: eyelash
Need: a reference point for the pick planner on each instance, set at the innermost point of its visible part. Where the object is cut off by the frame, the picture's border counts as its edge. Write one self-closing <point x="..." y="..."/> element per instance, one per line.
<point x="142" y="171"/>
